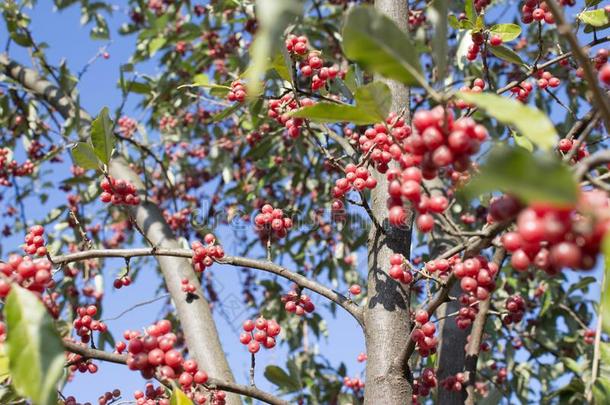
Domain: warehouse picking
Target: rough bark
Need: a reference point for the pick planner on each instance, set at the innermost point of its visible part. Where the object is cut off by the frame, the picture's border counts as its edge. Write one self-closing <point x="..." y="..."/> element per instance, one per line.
<point x="387" y="314"/>
<point x="195" y="317"/>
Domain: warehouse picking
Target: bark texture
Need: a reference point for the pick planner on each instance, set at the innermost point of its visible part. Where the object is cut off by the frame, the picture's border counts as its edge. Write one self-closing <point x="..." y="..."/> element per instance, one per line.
<point x="387" y="313"/>
<point x="195" y="316"/>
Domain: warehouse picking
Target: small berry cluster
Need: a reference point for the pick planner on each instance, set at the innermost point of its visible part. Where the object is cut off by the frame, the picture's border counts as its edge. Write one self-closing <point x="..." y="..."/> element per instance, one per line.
<point x="546" y="79"/>
<point x="118" y="192"/>
<point x="237" y="92"/>
<point x="477" y="280"/>
<point x="109" y="397"/>
<point x="553" y="238"/>
<point x="298" y="304"/>
<point x="356" y="178"/>
<point x="453" y="382"/>
<point x="523" y="91"/>
<point x="204" y="256"/>
<point x="155" y="353"/>
<point x="382" y="141"/>
<point x="515" y="305"/>
<point x="473" y="50"/>
<point x="398" y="270"/>
<point x="362" y="357"/>
<point x="423" y="334"/>
<point x="127" y="126"/>
<point x="265" y="334"/>
<point x="121" y="282"/>
<point x="536" y="10"/>
<point x="10" y="168"/>
<point x="84" y="324"/>
<point x="589" y="336"/>
<point x="278" y="109"/>
<point x="35" y="275"/>
<point x="271" y="222"/>
<point x="424" y="384"/>
<point x="296" y="45"/>
<point x="356" y="384"/>
<point x="152" y="396"/>
<point x="478" y="85"/>
<point x="34" y="242"/>
<point x="187" y="286"/>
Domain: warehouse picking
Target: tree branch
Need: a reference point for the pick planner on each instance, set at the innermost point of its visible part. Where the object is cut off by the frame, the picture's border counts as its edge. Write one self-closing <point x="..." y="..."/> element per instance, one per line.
<point x="264" y="265"/>
<point x="598" y="158"/>
<point x="565" y="29"/>
<point x="213" y="383"/>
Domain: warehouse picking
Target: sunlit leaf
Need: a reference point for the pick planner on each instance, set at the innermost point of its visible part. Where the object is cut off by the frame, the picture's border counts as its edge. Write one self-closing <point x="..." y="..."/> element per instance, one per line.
<point x="595" y="18"/>
<point x="507" y="32"/>
<point x="84" y="156"/>
<point x="102" y="138"/>
<point x="36" y="354"/>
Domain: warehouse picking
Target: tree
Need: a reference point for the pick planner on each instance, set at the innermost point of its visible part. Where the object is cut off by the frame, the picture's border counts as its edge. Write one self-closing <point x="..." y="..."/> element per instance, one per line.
<point x="469" y="137"/>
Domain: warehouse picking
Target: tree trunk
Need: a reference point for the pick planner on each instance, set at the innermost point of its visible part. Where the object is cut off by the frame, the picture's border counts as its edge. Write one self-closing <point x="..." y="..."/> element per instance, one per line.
<point x="387" y="314"/>
<point x="195" y="317"/>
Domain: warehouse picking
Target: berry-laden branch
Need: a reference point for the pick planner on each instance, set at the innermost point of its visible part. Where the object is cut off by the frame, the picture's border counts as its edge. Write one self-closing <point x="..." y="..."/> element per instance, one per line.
<point x="476" y="335"/>
<point x="213" y="383"/>
<point x="471" y="248"/>
<point x="263" y="265"/>
<point x="598" y="158"/>
<point x="565" y="29"/>
<point x="196" y="317"/>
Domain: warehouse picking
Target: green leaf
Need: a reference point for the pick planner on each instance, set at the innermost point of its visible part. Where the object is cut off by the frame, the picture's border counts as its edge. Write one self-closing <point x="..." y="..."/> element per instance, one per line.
<point x="470" y="11"/>
<point x="280" y="378"/>
<point x="375" y="41"/>
<point x="155" y="44"/>
<point x="225" y="113"/>
<point x="459" y="24"/>
<point x="35" y="351"/>
<point x="506" y="54"/>
<point x="102" y="137"/>
<point x="522" y="141"/>
<point x="437" y="15"/>
<point x="529" y="121"/>
<point x="273" y="17"/>
<point x="601" y="390"/>
<point x="507" y="32"/>
<point x="604" y="310"/>
<point x="179" y="397"/>
<point x="84" y="156"/>
<point x="281" y="64"/>
<point x="595" y="18"/>
<point x="532" y="178"/>
<point x="373" y="103"/>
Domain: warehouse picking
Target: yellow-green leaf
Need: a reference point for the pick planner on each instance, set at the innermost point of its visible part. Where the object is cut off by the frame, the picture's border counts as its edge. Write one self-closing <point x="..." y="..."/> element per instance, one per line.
<point x="35" y="351"/>
<point x="507" y="32"/>
<point x="84" y="156"/>
<point x="179" y="397"/>
<point x="379" y="45"/>
<point x="595" y="18"/>
<point x="604" y="310"/>
<point x="529" y="121"/>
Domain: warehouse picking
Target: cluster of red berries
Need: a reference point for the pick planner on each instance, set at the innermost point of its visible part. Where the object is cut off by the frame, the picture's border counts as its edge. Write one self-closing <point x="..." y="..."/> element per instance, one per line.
<point x="440" y="266"/>
<point x="478" y="85"/>
<point x="118" y="192"/>
<point x="424" y="384"/>
<point x="34" y="242"/>
<point x="565" y="145"/>
<point x="356" y="384"/>
<point x="479" y="5"/>
<point x="454" y="382"/>
<point x="152" y="396"/>
<point x="278" y="110"/>
<point x="296" y="45"/>
<point x="546" y="79"/>
<point x="81" y="364"/>
<point x="272" y="222"/>
<point x="10" y="168"/>
<point x="107" y="398"/>
<point x="423" y="334"/>
<point x="265" y="334"/>
<point x="312" y="65"/>
<point x="473" y="50"/>
<point x="536" y="10"/>
<point x="399" y="270"/>
<point x="127" y="126"/>
<point x="121" y="282"/>
<point x="589" y="336"/>
<point x="155" y="353"/>
<point x="298" y="304"/>
<point x="187" y="286"/>
<point x="356" y="178"/>
<point x="515" y="305"/>
<point x="362" y="357"/>
<point x="553" y="238"/>
<point x="204" y="256"/>
<point x="84" y="324"/>
<point x="177" y="220"/>
<point x="383" y="140"/>
<point x="35" y="275"/>
<point x="523" y="91"/>
<point x="477" y="280"/>
<point x="237" y="92"/>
